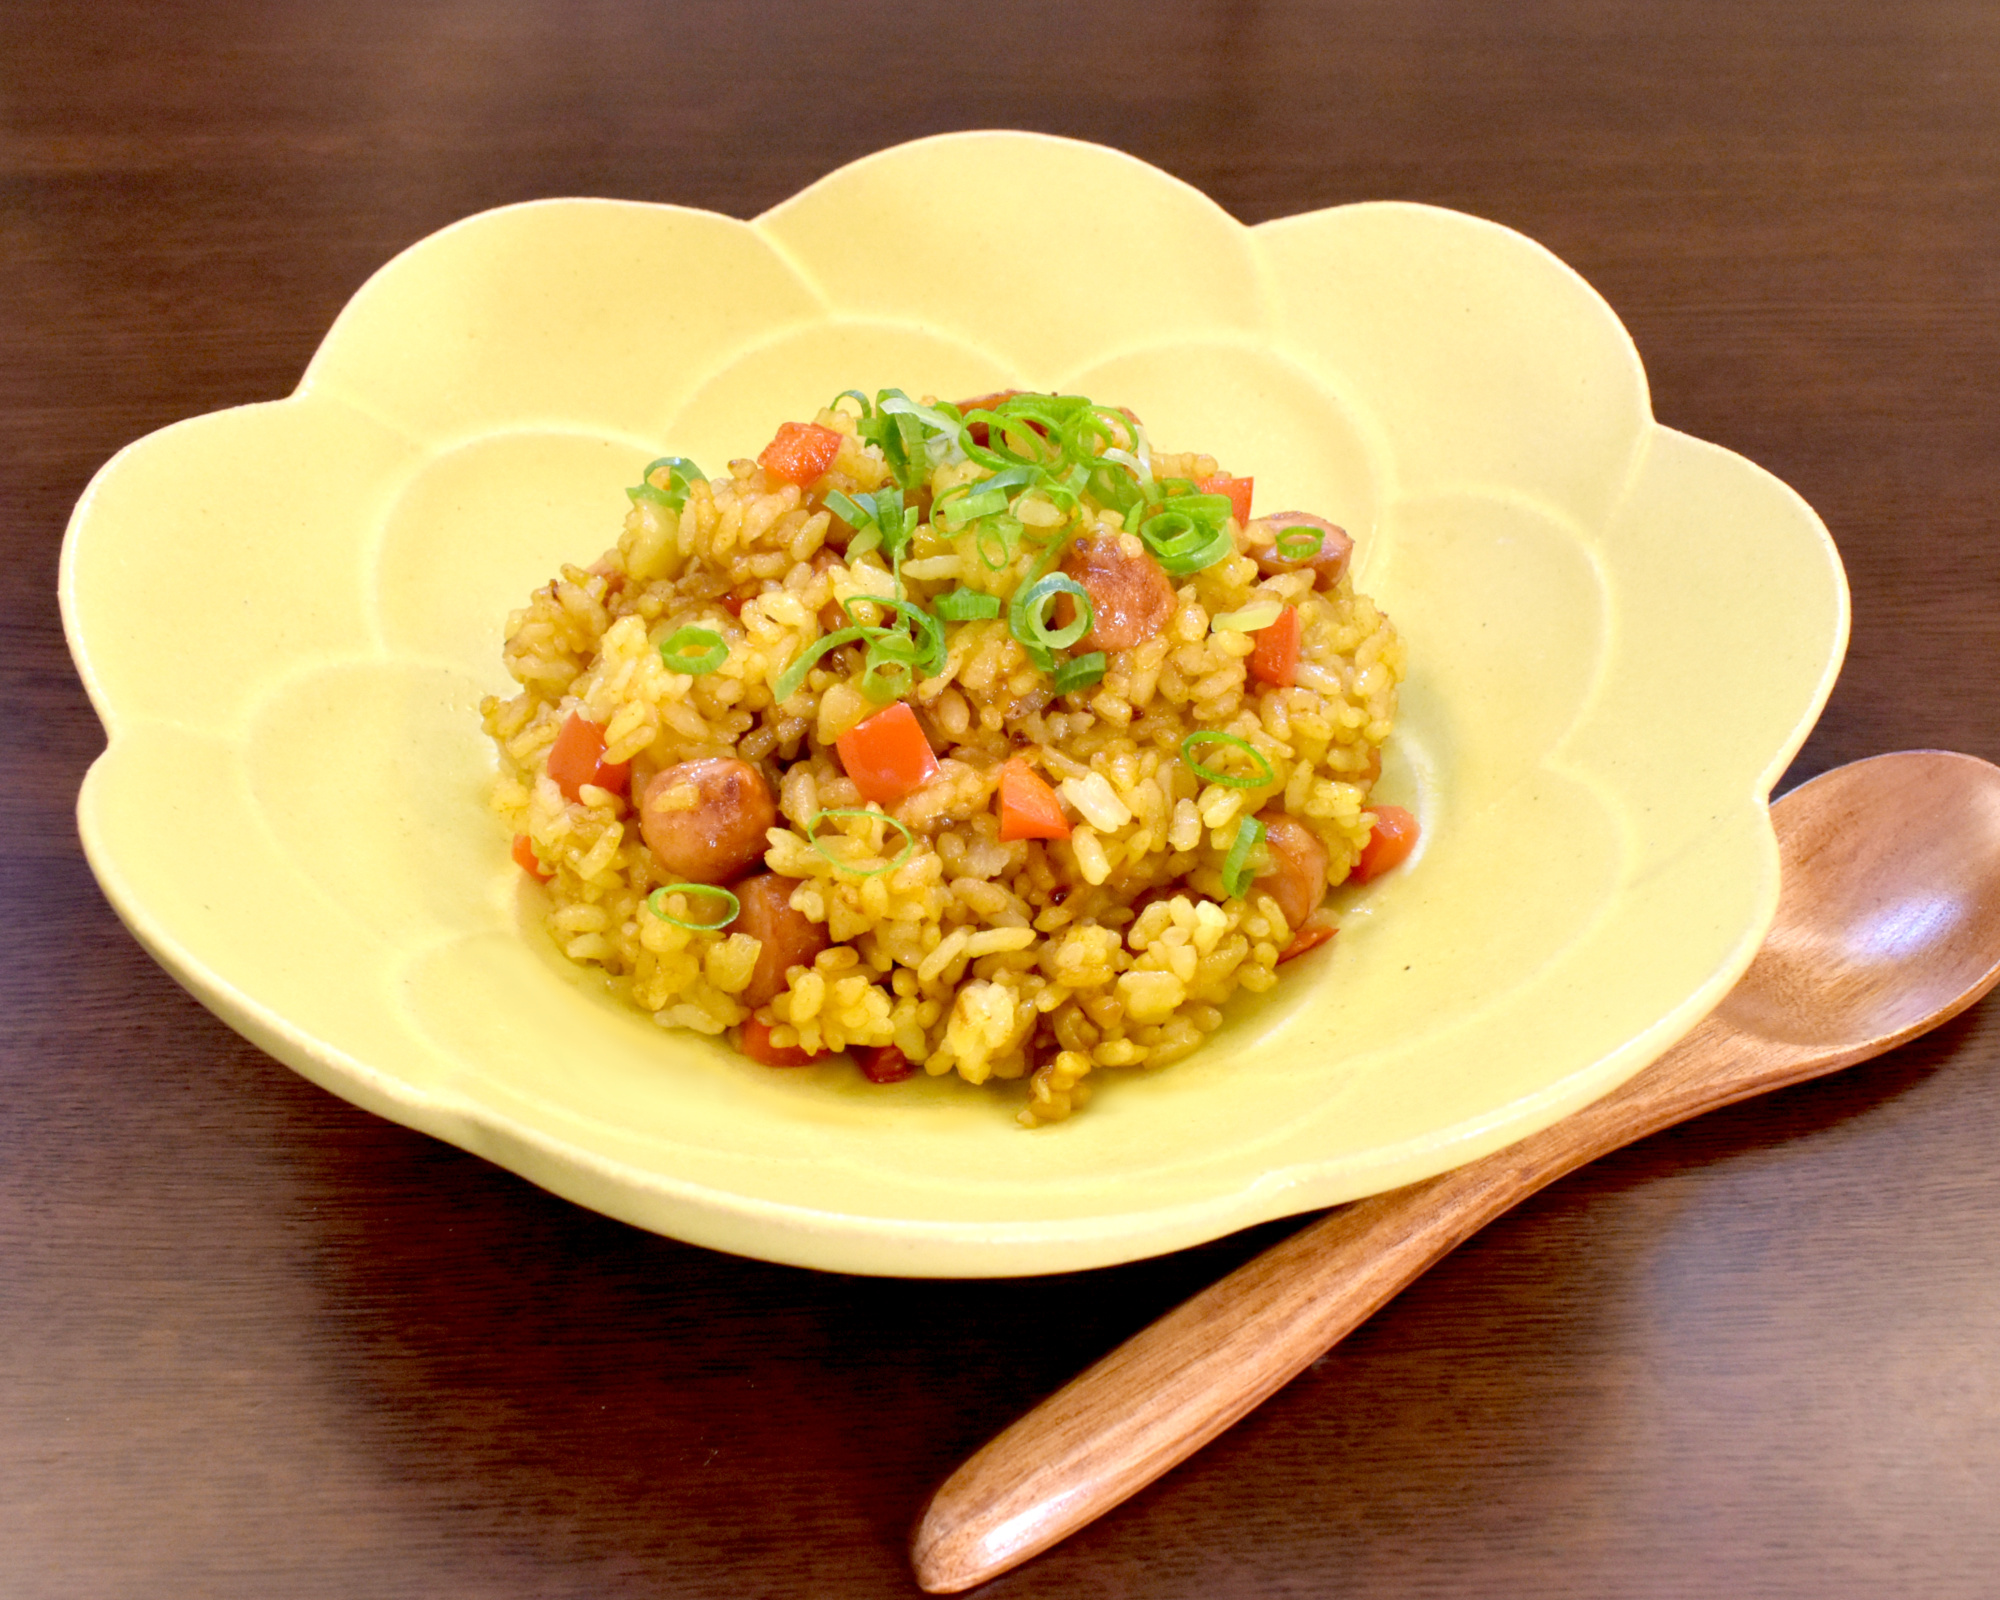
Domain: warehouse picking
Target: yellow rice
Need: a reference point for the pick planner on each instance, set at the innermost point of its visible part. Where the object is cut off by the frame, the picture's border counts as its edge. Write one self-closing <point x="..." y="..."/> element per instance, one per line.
<point x="997" y="961"/>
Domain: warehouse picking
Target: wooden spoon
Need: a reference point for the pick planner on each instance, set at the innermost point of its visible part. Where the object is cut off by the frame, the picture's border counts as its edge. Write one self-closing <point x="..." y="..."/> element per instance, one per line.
<point x="1888" y="923"/>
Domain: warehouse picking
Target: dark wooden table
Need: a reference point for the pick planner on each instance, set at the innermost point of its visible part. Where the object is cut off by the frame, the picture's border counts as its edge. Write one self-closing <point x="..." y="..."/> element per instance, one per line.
<point x="254" y="1342"/>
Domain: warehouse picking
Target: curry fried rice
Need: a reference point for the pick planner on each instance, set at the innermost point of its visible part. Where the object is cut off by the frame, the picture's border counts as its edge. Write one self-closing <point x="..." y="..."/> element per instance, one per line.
<point x="977" y="738"/>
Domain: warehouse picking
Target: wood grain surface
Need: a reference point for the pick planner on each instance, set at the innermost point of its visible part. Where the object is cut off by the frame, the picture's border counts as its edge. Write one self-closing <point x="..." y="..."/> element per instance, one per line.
<point x="1825" y="991"/>
<point x="254" y="1342"/>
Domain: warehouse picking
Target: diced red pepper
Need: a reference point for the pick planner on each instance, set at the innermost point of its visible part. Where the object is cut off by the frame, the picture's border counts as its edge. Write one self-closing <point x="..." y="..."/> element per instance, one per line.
<point x="526" y="859"/>
<point x="801" y="453"/>
<point x="576" y="758"/>
<point x="885" y="1064"/>
<point x="1029" y="808"/>
<point x="1238" y="490"/>
<point x="754" y="1040"/>
<point x="888" y="756"/>
<point x="1395" y="836"/>
<point x="1310" y="937"/>
<point x="1276" y="657"/>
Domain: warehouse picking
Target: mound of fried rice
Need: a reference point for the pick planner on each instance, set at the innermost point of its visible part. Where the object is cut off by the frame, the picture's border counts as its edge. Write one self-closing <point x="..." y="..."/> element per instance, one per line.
<point x="1027" y="962"/>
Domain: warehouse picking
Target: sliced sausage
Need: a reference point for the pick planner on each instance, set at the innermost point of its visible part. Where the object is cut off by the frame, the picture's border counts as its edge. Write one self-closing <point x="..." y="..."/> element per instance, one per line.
<point x="790" y="938"/>
<point x="715" y="833"/>
<point x="1328" y="563"/>
<point x="1131" y="598"/>
<point x="1297" y="879"/>
<point x="753" y="1038"/>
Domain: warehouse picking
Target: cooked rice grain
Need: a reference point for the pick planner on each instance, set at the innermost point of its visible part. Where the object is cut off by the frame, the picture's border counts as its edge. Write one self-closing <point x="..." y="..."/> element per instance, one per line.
<point x="996" y="960"/>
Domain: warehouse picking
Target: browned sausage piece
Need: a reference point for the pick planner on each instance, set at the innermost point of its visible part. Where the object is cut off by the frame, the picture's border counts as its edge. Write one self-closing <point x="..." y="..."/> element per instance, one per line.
<point x="1297" y="880"/>
<point x="1130" y="596"/>
<point x="705" y="820"/>
<point x="1328" y="563"/>
<point x="790" y="938"/>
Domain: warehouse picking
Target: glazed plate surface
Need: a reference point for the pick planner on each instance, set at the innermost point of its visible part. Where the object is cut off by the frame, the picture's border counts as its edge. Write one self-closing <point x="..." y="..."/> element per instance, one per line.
<point x="286" y="615"/>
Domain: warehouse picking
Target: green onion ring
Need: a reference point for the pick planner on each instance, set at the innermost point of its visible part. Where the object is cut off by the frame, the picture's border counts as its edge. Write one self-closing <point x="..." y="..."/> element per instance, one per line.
<point x="883" y="680"/>
<point x="982" y="497"/>
<point x="867" y="539"/>
<point x="922" y="646"/>
<point x="681" y="473"/>
<point x="679" y="467"/>
<point x="966" y="605"/>
<point x="957" y="511"/>
<point x="855" y="516"/>
<point x="995" y="540"/>
<point x="909" y="838"/>
<point x="1226" y="779"/>
<point x="1031" y="628"/>
<point x="1202" y="507"/>
<point x="795" y="674"/>
<point x="1079" y="672"/>
<point x="1235" y="868"/>
<point x="1299" y="544"/>
<point x="656" y="903"/>
<point x="893" y="659"/>
<point x="1253" y="618"/>
<point x="1184" y="541"/>
<point x="713" y="651"/>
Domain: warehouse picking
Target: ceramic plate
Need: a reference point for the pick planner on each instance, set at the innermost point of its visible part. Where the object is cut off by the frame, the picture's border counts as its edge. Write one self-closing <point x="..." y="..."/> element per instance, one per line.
<point x="286" y="615"/>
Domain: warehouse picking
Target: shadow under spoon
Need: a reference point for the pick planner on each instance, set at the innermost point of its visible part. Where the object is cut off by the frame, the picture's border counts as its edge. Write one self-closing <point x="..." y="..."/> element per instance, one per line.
<point x="1888" y="923"/>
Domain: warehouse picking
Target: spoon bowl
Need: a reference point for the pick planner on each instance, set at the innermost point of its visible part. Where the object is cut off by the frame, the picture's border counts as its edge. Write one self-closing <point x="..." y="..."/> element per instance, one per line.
<point x="1890" y="898"/>
<point x="1888" y="923"/>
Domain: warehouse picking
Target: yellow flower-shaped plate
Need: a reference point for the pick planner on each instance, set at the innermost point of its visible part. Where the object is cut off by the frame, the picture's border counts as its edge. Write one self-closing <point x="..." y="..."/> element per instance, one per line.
<point x="287" y="613"/>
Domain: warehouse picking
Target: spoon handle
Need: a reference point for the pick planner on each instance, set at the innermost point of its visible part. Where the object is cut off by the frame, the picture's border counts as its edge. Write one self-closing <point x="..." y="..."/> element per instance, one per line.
<point x="1176" y="1384"/>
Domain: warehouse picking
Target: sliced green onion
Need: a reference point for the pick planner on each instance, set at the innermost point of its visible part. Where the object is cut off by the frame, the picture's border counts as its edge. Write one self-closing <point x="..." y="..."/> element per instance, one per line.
<point x="802" y="663"/>
<point x="864" y="541"/>
<point x="1025" y="617"/>
<point x="681" y="473"/>
<point x="883" y="514"/>
<point x="983" y="497"/>
<point x="1229" y="780"/>
<point x="955" y="510"/>
<point x="926" y="436"/>
<point x="996" y="539"/>
<point x="896" y="403"/>
<point x="893" y="655"/>
<point x="1019" y="434"/>
<point x="656" y="903"/>
<point x="1248" y="620"/>
<point x="812" y="828"/>
<point x="966" y="605"/>
<point x="913" y="439"/>
<point x="883" y="679"/>
<point x="1079" y="672"/>
<point x="678" y="466"/>
<point x="713" y="651"/>
<point x="1186" y="537"/>
<point x="1299" y="544"/>
<point x="1235" y="866"/>
<point x="855" y="516"/>
<point x="1202" y="507"/>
